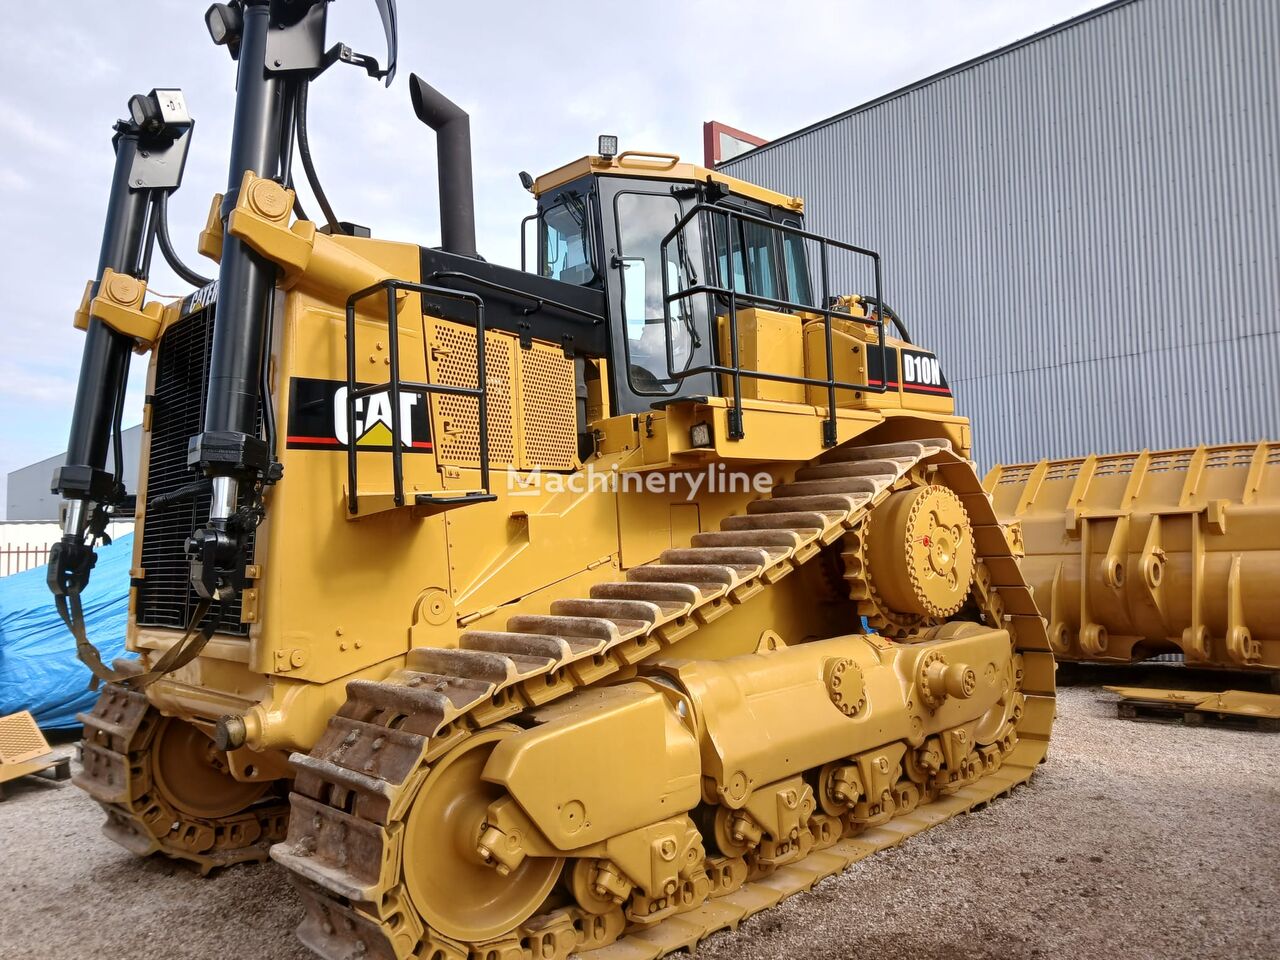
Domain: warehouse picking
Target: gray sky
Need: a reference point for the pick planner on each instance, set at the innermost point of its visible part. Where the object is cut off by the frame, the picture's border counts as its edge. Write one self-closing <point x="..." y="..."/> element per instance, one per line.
<point x="540" y="81"/>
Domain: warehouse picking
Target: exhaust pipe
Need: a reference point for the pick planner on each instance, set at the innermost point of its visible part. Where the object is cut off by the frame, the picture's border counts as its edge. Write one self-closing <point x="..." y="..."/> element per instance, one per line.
<point x="453" y="152"/>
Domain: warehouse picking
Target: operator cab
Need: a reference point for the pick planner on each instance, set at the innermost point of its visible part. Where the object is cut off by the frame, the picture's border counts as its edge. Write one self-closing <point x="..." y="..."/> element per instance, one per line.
<point x="627" y="227"/>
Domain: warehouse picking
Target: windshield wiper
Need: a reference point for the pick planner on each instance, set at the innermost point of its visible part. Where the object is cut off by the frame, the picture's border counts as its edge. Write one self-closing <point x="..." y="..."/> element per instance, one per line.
<point x="686" y="315"/>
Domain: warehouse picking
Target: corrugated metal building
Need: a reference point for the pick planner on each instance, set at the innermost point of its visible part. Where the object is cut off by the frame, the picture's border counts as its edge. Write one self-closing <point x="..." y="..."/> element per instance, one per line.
<point x="29" y="499"/>
<point x="1084" y="224"/>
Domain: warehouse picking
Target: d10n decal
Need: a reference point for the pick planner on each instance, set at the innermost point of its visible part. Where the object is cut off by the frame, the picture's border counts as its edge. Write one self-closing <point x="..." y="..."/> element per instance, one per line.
<point x="318" y="418"/>
<point x="920" y="373"/>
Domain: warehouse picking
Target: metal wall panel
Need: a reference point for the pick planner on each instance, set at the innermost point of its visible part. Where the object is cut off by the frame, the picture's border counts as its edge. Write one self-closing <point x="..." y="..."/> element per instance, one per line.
<point x="29" y="498"/>
<point x="1085" y="226"/>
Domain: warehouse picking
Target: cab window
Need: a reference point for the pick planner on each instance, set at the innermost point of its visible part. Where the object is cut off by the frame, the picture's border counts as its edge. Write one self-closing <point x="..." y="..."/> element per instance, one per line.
<point x="760" y="259"/>
<point x="796" y="262"/>
<point x="748" y="257"/>
<point x="565" y="243"/>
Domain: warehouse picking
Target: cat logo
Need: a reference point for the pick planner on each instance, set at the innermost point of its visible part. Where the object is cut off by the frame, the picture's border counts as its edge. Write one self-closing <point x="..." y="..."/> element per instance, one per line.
<point x="318" y="418"/>
<point x="205" y="296"/>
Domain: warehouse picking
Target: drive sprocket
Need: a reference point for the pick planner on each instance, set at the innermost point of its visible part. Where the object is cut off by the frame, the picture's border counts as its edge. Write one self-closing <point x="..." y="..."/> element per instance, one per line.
<point x="914" y="559"/>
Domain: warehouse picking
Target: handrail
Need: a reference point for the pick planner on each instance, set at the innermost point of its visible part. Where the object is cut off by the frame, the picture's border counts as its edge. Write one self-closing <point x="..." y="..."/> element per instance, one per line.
<point x="524" y="230"/>
<point x="668" y="160"/>
<point x="395" y="385"/>
<point x="734" y="370"/>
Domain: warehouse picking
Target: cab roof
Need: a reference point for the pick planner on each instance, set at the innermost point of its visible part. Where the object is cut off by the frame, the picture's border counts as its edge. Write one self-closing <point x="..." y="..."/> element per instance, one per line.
<point x="667" y="166"/>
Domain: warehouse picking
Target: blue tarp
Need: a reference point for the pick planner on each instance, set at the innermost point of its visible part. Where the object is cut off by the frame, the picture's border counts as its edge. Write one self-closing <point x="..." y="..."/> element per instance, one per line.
<point x="39" y="670"/>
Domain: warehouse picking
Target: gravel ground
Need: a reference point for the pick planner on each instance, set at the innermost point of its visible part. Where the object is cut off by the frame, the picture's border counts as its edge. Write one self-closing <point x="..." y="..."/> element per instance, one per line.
<point x="1149" y="840"/>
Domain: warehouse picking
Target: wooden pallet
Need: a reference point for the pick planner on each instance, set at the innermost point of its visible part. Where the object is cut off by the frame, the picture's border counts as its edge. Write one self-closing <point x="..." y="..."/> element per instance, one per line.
<point x="25" y="752"/>
<point x="1231" y="709"/>
<point x="59" y="769"/>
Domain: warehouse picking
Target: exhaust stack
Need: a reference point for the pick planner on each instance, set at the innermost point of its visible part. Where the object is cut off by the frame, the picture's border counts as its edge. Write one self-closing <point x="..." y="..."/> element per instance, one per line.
<point x="453" y="150"/>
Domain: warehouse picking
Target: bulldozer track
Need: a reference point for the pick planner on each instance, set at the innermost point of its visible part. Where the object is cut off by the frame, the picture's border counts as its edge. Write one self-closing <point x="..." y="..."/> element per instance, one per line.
<point x="117" y="753"/>
<point x="352" y="792"/>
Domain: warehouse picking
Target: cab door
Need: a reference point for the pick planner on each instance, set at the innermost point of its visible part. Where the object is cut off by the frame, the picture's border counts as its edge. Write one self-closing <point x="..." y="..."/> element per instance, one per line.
<point x="651" y="359"/>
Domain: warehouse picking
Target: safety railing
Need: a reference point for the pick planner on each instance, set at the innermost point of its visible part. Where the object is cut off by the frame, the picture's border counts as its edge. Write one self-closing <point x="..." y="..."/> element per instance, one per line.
<point x="717" y="292"/>
<point x="394" y="387"/>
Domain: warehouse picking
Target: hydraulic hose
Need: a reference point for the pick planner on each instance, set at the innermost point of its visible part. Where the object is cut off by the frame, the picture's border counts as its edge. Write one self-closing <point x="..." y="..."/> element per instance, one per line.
<point x="891" y="315"/>
<point x="304" y="151"/>
<point x="160" y="214"/>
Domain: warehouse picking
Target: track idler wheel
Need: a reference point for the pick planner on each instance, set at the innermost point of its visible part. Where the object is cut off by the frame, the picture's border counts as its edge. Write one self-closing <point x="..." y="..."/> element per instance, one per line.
<point x="167" y="788"/>
<point x="195" y="776"/>
<point x="448" y="879"/>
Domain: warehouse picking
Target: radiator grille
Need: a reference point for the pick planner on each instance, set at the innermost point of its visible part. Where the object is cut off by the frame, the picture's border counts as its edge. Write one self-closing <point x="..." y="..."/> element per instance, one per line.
<point x="548" y="407"/>
<point x="532" y="408"/>
<point x="457" y="425"/>
<point x="165" y="596"/>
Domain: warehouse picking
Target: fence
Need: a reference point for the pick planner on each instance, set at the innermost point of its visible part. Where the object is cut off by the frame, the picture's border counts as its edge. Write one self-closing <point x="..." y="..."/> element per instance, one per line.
<point x="16" y="557"/>
<point x="24" y="544"/>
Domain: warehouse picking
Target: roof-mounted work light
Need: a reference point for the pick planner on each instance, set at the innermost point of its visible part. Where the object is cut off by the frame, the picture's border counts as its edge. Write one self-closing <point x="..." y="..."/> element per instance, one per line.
<point x="607" y="146"/>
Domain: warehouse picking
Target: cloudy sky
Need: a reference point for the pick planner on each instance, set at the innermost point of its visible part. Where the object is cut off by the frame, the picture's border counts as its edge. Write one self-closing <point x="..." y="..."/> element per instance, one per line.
<point x="540" y="81"/>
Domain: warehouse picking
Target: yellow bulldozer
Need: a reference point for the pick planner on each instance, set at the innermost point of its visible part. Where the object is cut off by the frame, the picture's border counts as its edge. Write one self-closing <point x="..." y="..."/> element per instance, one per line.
<point x="517" y="613"/>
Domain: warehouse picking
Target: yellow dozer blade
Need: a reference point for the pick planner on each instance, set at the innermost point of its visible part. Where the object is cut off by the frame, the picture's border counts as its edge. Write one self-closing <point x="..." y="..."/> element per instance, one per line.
<point x="1234" y="708"/>
<point x="1136" y="554"/>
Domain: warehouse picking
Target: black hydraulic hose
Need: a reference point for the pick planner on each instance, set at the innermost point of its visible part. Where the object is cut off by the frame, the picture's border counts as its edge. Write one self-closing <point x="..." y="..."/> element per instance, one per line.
<point x="893" y="317"/>
<point x="268" y="405"/>
<point x="185" y="492"/>
<point x="117" y="416"/>
<point x="304" y="151"/>
<point x="290" y="128"/>
<point x="117" y="437"/>
<point x="148" y="245"/>
<point x="160" y="213"/>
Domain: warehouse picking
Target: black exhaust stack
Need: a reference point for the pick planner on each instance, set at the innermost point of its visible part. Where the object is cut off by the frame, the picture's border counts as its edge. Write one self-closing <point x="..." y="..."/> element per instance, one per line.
<point x="453" y="151"/>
